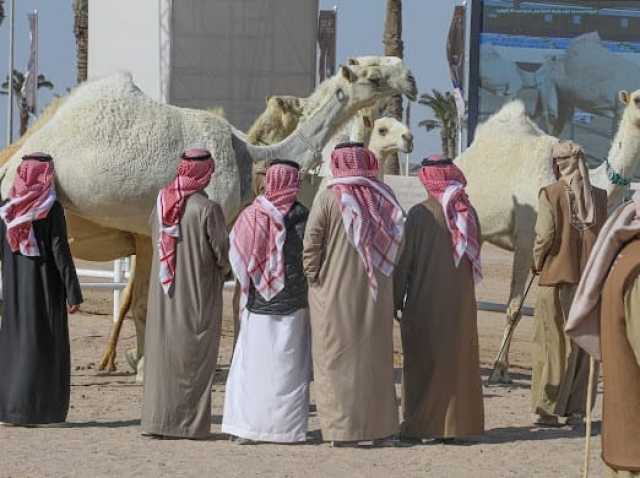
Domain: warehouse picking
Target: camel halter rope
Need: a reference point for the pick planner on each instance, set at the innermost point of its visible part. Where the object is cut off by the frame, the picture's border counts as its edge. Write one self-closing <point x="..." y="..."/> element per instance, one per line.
<point x="615" y="177"/>
<point x="339" y="97"/>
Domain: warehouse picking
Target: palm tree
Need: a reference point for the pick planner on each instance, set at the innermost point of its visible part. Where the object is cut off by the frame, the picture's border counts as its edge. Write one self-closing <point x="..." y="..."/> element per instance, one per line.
<point x="446" y="119"/>
<point x="21" y="100"/>
<point x="81" y="32"/>
<point x="393" y="46"/>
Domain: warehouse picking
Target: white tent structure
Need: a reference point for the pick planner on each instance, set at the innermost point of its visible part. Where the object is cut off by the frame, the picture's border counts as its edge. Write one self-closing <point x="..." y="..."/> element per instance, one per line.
<point x="206" y="53"/>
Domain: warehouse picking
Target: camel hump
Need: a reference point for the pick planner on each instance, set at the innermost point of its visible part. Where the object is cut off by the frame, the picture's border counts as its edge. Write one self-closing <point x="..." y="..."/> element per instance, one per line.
<point x="512" y="120"/>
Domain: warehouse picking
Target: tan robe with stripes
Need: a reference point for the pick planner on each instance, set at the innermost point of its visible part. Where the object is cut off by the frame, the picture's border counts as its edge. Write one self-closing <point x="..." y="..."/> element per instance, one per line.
<point x="352" y="335"/>
<point x="632" y="319"/>
<point x="442" y="390"/>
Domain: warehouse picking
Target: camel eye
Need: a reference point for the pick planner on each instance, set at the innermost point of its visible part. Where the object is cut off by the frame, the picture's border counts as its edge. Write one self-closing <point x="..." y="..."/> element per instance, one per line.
<point x="636" y="100"/>
<point x="383" y="131"/>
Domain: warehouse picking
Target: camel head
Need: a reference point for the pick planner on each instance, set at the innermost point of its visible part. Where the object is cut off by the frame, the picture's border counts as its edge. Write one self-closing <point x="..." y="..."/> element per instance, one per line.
<point x="631" y="102"/>
<point x="335" y="102"/>
<point x="396" y="73"/>
<point x="623" y="162"/>
<point x="288" y="108"/>
<point x="390" y="136"/>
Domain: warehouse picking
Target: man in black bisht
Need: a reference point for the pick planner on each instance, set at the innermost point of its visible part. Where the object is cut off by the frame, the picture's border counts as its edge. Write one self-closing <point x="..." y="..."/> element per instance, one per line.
<point x="39" y="286"/>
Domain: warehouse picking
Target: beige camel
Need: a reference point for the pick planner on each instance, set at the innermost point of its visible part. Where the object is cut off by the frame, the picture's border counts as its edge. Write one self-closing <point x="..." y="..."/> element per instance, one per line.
<point x="108" y="179"/>
<point x="277" y="121"/>
<point x="507" y="164"/>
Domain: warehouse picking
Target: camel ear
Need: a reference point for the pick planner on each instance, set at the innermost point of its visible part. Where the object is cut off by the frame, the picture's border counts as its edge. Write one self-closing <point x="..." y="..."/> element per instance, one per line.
<point x="353" y="61"/>
<point x="624" y="97"/>
<point x="268" y="99"/>
<point x="348" y="74"/>
<point x="367" y="122"/>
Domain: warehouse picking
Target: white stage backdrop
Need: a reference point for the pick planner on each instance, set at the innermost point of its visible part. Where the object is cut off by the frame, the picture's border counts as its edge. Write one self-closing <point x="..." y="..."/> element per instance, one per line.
<point x="205" y="53"/>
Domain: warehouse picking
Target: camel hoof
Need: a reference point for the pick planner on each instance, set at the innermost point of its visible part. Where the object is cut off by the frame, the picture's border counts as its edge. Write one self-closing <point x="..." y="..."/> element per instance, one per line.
<point x="108" y="362"/>
<point x="500" y="375"/>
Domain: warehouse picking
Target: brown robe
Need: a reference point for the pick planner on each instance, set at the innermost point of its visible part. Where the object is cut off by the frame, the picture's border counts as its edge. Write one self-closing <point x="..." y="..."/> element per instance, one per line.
<point x="352" y="335"/>
<point x="183" y="328"/>
<point x="560" y="367"/>
<point x="442" y="389"/>
<point x="620" y="345"/>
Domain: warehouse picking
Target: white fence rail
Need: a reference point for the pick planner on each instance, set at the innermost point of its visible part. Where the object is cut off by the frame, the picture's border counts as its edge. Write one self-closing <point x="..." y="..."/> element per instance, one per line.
<point x="118" y="275"/>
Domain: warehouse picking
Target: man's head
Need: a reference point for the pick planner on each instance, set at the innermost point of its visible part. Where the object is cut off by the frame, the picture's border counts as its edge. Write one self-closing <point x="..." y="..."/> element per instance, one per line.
<point x="38" y="156"/>
<point x="353" y="159"/>
<point x="282" y="178"/>
<point x="197" y="167"/>
<point x="437" y="172"/>
<point x="196" y="154"/>
<point x="566" y="157"/>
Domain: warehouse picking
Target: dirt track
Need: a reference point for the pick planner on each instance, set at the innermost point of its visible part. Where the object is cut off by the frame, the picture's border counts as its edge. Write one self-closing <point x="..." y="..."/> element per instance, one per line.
<point x="102" y="436"/>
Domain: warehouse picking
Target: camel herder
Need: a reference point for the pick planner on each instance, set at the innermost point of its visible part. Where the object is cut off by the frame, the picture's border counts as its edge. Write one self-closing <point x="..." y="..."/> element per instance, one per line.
<point x="351" y="244"/>
<point x="605" y="322"/>
<point x="257" y="184"/>
<point x="185" y="303"/>
<point x="570" y="215"/>
<point x="435" y="290"/>
<point x="40" y="287"/>
<point x="267" y="394"/>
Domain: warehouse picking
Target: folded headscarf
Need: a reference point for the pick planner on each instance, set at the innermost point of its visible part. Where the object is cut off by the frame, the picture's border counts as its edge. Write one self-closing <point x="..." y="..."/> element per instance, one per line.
<point x="193" y="175"/>
<point x="31" y="198"/>
<point x="583" y="324"/>
<point x="372" y="217"/>
<point x="258" y="236"/>
<point x="445" y="182"/>
<point x="569" y="160"/>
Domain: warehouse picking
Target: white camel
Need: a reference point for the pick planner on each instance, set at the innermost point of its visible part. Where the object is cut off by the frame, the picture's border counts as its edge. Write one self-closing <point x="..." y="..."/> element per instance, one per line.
<point x="385" y="137"/>
<point x="114" y="148"/>
<point x="507" y="164"/>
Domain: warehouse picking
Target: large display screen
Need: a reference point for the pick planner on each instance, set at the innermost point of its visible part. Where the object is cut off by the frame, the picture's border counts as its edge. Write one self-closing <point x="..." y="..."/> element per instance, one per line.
<point x="566" y="60"/>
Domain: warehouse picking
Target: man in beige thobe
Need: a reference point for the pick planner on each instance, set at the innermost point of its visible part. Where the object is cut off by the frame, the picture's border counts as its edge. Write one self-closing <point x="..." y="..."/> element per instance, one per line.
<point x="185" y="304"/>
<point x="605" y="322"/>
<point x="435" y="290"/>
<point x="352" y="238"/>
<point x="570" y="215"/>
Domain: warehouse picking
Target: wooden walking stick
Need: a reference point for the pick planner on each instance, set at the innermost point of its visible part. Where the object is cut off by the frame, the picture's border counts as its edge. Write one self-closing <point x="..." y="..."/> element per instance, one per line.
<point x="587" y="447"/>
<point x="506" y="340"/>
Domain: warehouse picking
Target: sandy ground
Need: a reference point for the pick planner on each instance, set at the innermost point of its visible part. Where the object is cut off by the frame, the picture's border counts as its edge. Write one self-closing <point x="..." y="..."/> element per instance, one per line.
<point x="102" y="436"/>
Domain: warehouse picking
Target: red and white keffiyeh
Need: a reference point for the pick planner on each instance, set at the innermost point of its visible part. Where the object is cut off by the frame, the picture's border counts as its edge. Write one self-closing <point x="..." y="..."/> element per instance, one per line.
<point x="446" y="182"/>
<point x="258" y="236"/>
<point x="194" y="174"/>
<point x="372" y="217"/>
<point x="31" y="198"/>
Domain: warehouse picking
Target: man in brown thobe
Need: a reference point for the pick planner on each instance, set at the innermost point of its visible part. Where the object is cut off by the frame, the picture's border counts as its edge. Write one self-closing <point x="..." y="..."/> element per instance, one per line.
<point x="185" y="303"/>
<point x="570" y="215"/>
<point x="605" y="321"/>
<point x="352" y="238"/>
<point x="435" y="290"/>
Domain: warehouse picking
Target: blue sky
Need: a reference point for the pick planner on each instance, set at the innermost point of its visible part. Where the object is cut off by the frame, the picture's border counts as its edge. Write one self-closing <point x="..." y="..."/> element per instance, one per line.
<point x="360" y="26"/>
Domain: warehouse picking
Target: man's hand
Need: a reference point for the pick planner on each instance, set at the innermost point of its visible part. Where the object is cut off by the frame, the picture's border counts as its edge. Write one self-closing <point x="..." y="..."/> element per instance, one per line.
<point x="534" y="271"/>
<point x="72" y="309"/>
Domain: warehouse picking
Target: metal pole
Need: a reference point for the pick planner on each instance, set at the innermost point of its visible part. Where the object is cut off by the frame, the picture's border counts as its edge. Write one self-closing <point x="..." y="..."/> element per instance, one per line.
<point x="12" y="6"/>
<point x="117" y="277"/>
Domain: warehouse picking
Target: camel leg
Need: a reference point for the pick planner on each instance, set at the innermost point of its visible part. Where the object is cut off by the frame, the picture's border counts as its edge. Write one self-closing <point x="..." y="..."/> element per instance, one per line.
<point x="522" y="256"/>
<point x="109" y="357"/>
<point x="144" y="256"/>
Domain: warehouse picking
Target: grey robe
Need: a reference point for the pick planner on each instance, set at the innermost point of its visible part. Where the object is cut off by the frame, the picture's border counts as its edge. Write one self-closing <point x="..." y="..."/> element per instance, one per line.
<point x="442" y="389"/>
<point x="352" y="336"/>
<point x="183" y="328"/>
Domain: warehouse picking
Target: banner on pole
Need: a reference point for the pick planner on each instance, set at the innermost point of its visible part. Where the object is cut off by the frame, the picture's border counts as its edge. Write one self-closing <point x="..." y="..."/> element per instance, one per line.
<point x="455" y="47"/>
<point x="30" y="86"/>
<point x="327" y="42"/>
